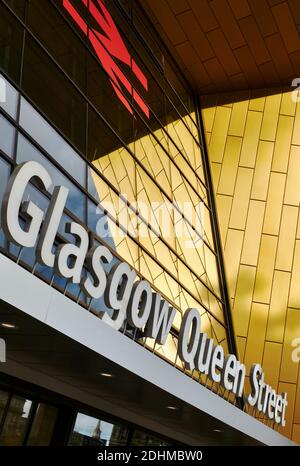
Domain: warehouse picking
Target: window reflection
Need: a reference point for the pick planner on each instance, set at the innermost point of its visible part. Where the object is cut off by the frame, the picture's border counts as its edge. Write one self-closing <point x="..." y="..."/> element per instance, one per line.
<point x="4" y="177"/>
<point x="42" y="426"/>
<point x="17" y="5"/>
<point x="98" y="222"/>
<point x="16" y="422"/>
<point x="11" y="36"/>
<point x="51" y="141"/>
<point x="8" y="97"/>
<point x="102" y="95"/>
<point x="7" y="136"/>
<point x="90" y="431"/>
<point x="75" y="202"/>
<point x="64" y="46"/>
<point x="54" y="94"/>
<point x="101" y="140"/>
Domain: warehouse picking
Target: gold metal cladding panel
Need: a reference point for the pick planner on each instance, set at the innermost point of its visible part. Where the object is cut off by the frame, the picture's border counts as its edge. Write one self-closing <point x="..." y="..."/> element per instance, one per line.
<point x="296" y="132"/>
<point x="298" y="229"/>
<point x="241" y="197"/>
<point x="241" y="343"/>
<point x="290" y="389"/>
<point x="287" y="236"/>
<point x="288" y="106"/>
<point x="262" y="170"/>
<point x="238" y="118"/>
<point x="256" y="334"/>
<point x="219" y="133"/>
<point x="224" y="207"/>
<point x="289" y="369"/>
<point x="230" y="165"/>
<point x="250" y="139"/>
<point x="296" y="433"/>
<point x="271" y="362"/>
<point x="209" y="119"/>
<point x="292" y="191"/>
<point x="283" y="143"/>
<point x="297" y="406"/>
<point x="257" y="104"/>
<point x="278" y="306"/>
<point x="216" y="170"/>
<point x="253" y="232"/>
<point x="258" y="198"/>
<point x="243" y="299"/>
<point x="294" y="296"/>
<point x="274" y="203"/>
<point x="233" y="250"/>
<point x="270" y="118"/>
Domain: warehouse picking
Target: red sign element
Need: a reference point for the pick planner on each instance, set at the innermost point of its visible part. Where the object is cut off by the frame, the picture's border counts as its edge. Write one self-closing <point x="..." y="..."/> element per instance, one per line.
<point x="108" y="45"/>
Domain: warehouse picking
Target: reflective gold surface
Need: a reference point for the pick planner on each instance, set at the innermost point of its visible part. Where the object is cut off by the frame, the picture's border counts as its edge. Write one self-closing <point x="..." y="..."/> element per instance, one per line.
<point x="258" y="195"/>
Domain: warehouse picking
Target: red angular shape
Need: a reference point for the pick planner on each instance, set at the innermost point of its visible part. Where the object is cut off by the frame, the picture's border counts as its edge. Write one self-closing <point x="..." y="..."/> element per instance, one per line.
<point x="109" y="45"/>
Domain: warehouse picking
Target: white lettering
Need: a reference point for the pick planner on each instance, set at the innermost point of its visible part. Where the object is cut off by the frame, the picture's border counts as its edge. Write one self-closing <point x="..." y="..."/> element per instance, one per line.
<point x="12" y="204"/>
<point x="117" y="294"/>
<point x="70" y="258"/>
<point x="139" y="305"/>
<point x="160" y="320"/>
<point x="95" y="287"/>
<point x="44" y="253"/>
<point x="189" y="335"/>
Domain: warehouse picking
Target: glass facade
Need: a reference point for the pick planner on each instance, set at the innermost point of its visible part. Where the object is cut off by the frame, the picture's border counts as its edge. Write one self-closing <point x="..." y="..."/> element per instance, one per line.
<point x="120" y="131"/>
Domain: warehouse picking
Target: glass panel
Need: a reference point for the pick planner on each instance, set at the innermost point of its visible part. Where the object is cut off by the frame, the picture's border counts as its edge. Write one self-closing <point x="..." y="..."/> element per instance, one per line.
<point x="10" y="44"/>
<point x="16" y="422"/>
<point x="52" y="142"/>
<point x="181" y="91"/>
<point x="17" y="5"/>
<point x="54" y="94"/>
<point x="118" y="167"/>
<point x="7" y="136"/>
<point x="3" y="401"/>
<point x="76" y="199"/>
<point x="147" y="33"/>
<point x="102" y="95"/>
<point x="99" y="223"/>
<point x="80" y="8"/>
<point x="101" y="140"/>
<point x="8" y="97"/>
<point x="90" y="431"/>
<point x="46" y="23"/>
<point x="143" y="439"/>
<point x="11" y="36"/>
<point x="126" y="6"/>
<point x="43" y="425"/>
<point x="4" y="177"/>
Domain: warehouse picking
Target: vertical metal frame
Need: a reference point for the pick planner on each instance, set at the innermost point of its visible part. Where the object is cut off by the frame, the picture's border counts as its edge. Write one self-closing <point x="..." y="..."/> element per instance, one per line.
<point x="232" y="346"/>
